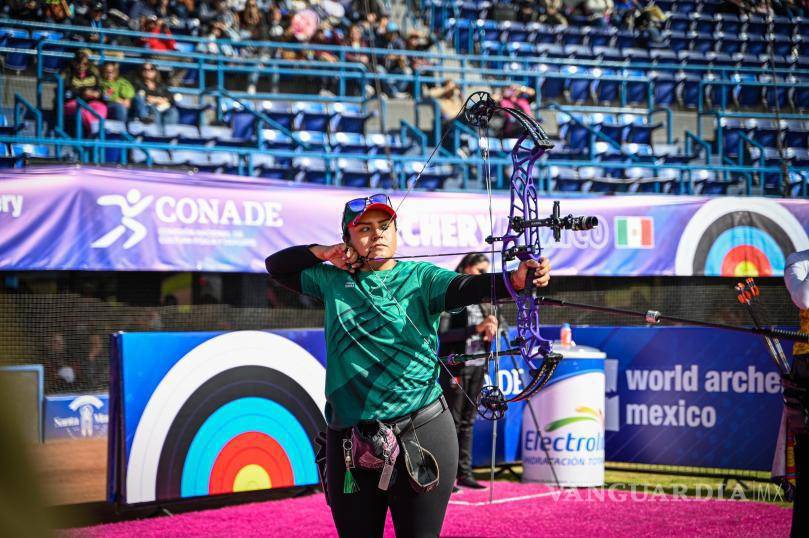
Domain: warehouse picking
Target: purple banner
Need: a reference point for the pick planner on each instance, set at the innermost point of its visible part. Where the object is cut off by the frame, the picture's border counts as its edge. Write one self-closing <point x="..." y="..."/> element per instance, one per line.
<point x="108" y="219"/>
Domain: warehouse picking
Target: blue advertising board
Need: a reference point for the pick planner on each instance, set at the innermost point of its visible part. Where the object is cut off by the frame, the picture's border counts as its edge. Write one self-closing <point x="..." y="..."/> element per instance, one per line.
<point x="76" y="416"/>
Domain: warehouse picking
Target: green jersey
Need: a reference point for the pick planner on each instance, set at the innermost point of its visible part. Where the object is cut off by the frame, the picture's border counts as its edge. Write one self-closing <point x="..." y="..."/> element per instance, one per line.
<point x="381" y="338"/>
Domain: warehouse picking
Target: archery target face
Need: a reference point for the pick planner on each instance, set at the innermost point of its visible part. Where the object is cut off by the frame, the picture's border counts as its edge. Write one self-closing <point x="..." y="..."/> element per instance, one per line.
<point x="239" y="412"/>
<point x="736" y="237"/>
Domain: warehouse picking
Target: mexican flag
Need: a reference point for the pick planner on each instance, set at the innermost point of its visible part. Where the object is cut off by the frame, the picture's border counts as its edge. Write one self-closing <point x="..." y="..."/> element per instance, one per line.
<point x="634" y="232"/>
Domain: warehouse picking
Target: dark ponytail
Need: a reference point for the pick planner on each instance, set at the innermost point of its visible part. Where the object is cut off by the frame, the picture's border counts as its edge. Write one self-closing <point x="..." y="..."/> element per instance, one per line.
<point x="469" y="260"/>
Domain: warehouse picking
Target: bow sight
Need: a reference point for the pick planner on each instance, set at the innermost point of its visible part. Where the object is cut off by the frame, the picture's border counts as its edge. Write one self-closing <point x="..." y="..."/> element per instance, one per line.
<point x="555" y="222"/>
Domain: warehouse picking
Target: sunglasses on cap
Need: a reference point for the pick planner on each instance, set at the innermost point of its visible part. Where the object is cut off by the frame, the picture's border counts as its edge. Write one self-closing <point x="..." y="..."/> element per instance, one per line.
<point x="356" y="207"/>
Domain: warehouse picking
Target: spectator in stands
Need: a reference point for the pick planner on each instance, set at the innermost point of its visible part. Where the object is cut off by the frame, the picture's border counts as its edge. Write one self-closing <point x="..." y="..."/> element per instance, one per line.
<point x="141" y="11"/>
<point x="93" y="17"/>
<point x="252" y="23"/>
<point x="118" y="92"/>
<point x="648" y="22"/>
<point x="57" y="11"/>
<point x="82" y="81"/>
<point x="552" y="13"/>
<point x="519" y="98"/>
<point x="153" y="102"/>
<point x="276" y="27"/>
<point x="61" y="372"/>
<point x="395" y="64"/>
<point x="216" y="41"/>
<point x="160" y="39"/>
<point x="22" y="9"/>
<point x="599" y="11"/>
<point x="449" y="100"/>
<point x="419" y="42"/>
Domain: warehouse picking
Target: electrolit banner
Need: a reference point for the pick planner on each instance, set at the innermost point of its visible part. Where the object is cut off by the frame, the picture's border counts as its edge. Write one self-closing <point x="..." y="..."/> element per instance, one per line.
<point x="563" y="424"/>
<point x="63" y="218"/>
<point x="76" y="416"/>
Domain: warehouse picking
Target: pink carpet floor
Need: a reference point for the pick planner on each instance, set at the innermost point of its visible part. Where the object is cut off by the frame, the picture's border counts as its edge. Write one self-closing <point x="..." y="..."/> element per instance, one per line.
<point x="519" y="510"/>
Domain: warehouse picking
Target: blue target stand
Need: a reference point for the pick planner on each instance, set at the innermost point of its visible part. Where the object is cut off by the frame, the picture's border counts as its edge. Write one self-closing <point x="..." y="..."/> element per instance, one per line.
<point x="581" y="365"/>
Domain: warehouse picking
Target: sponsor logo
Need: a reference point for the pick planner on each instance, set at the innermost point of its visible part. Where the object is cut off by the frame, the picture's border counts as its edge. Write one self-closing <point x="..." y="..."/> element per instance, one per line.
<point x="11" y="204"/>
<point x="189" y="220"/>
<point x="87" y="419"/>
<point x="131" y="206"/>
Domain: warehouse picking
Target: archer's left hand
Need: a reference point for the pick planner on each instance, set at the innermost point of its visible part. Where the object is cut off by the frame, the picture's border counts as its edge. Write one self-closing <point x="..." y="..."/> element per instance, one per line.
<point x="542" y="274"/>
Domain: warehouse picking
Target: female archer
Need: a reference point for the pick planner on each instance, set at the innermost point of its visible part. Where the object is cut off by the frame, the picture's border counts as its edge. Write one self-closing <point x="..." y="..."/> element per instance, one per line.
<point x="391" y="441"/>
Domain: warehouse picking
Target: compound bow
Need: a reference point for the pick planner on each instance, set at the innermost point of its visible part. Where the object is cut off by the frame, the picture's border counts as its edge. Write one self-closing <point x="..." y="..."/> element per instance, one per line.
<point x="521" y="241"/>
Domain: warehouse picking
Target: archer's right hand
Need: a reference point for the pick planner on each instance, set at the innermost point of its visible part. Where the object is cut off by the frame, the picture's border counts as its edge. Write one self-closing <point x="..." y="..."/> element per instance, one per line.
<point x="340" y="255"/>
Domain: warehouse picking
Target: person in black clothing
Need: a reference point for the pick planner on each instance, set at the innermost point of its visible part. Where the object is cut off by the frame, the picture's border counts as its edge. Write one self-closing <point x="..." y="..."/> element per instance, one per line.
<point x="470" y="330"/>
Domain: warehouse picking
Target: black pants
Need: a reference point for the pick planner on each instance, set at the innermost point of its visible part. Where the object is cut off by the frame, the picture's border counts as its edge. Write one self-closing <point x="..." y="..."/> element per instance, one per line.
<point x="464" y="412"/>
<point x="418" y="515"/>
<point x="800" y="505"/>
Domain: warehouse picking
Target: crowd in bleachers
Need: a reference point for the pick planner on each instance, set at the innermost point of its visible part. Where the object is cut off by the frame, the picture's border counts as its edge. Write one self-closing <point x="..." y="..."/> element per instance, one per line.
<point x="669" y="53"/>
<point x="319" y="22"/>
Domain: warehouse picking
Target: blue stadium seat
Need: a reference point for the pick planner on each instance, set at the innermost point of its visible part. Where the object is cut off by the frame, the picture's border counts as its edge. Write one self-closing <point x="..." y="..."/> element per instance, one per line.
<point x="775" y="96"/>
<point x="312" y="116"/>
<point x="637" y="87"/>
<point x="573" y="35"/>
<point x="159" y="157"/>
<point x="679" y="41"/>
<point x="728" y="23"/>
<point x="272" y="139"/>
<point x="574" y="134"/>
<point x="191" y="113"/>
<point x="349" y="143"/>
<point x="686" y="6"/>
<point x="314" y="140"/>
<point x="710" y="182"/>
<point x="665" y="89"/>
<point x="765" y="132"/>
<point x="280" y="112"/>
<point x="679" y="22"/>
<point x="614" y="127"/>
<point x="642" y="153"/>
<point x="640" y="131"/>
<point x="565" y="179"/>
<point x="580" y="52"/>
<point x="224" y="136"/>
<point x="311" y="170"/>
<point x="511" y="31"/>
<point x="755" y="44"/>
<point x="183" y="134"/>
<point x="756" y="25"/>
<point x="703" y="23"/>
<point x="349" y="118"/>
<point x="267" y="166"/>
<point x="670" y="154"/>
<point x="50" y="64"/>
<point x="608" y="54"/>
<point x="796" y="134"/>
<point x="600" y="37"/>
<point x="393" y="143"/>
<point x="17" y="39"/>
<point x="606" y="90"/>
<point x="551" y="87"/>
<point x="731" y="129"/>
<point x="243" y="124"/>
<point x="746" y="94"/>
<point x="577" y="86"/>
<point x="114" y="130"/>
<point x="431" y="178"/>
<point x="354" y="173"/>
